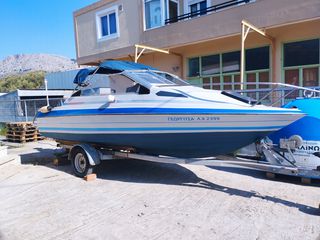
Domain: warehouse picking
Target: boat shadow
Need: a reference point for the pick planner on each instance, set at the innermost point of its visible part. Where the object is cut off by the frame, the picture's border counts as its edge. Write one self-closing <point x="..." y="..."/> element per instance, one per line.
<point x="137" y="171"/>
<point x="41" y="156"/>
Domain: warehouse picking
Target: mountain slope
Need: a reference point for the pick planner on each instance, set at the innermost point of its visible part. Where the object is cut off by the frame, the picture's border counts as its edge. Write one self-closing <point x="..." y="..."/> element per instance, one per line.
<point x="24" y="63"/>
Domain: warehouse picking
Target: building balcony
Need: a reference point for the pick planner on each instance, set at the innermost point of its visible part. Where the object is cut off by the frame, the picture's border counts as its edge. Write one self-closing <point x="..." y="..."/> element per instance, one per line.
<point x="224" y="20"/>
<point x="203" y="11"/>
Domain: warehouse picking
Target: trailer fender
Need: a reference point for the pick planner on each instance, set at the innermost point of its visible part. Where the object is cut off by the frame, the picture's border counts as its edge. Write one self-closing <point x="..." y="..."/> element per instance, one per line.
<point x="92" y="153"/>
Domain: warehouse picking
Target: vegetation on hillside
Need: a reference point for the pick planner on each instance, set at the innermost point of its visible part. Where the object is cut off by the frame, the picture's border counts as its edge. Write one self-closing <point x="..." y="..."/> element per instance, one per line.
<point x="3" y="130"/>
<point x="31" y="80"/>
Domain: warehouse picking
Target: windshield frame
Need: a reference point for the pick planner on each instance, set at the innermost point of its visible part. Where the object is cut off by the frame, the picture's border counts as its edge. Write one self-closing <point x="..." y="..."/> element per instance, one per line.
<point x="134" y="75"/>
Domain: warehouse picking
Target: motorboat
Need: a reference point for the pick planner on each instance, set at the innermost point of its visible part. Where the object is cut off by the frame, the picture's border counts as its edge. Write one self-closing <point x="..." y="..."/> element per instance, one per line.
<point x="125" y="105"/>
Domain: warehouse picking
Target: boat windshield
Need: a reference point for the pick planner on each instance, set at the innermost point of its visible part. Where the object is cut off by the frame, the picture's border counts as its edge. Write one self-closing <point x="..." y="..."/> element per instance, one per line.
<point x="155" y="78"/>
<point x="173" y="78"/>
<point x="132" y="81"/>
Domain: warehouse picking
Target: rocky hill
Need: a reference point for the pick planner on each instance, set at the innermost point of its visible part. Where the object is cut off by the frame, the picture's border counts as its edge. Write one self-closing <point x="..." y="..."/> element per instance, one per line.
<point x="24" y="63"/>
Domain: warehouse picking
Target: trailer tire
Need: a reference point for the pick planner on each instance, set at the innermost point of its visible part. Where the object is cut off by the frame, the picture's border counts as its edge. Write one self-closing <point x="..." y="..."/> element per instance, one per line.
<point x="80" y="162"/>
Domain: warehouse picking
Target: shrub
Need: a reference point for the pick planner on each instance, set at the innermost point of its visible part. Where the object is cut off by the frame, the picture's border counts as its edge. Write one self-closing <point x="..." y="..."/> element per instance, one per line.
<point x="32" y="80"/>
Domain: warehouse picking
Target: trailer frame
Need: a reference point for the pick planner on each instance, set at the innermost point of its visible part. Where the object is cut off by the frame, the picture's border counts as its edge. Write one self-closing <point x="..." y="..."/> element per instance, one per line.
<point x="97" y="154"/>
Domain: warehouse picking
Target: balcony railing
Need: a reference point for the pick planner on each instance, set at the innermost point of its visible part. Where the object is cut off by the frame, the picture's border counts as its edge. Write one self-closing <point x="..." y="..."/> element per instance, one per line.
<point x="207" y="10"/>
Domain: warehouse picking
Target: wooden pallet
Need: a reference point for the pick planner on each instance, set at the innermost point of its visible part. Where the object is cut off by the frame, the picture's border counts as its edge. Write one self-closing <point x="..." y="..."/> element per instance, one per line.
<point x="22" y="132"/>
<point x="19" y="125"/>
<point x="17" y="129"/>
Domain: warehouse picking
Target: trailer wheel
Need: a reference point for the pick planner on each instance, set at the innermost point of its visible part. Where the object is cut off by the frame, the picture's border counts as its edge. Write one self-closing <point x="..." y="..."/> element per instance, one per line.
<point x="80" y="162"/>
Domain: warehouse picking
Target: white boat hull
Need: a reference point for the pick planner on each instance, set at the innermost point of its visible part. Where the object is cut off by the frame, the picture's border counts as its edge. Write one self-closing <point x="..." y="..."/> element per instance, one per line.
<point x="188" y="135"/>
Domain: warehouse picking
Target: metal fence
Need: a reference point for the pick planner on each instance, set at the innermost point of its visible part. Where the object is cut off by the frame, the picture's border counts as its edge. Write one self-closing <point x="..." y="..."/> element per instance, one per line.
<point x="24" y="110"/>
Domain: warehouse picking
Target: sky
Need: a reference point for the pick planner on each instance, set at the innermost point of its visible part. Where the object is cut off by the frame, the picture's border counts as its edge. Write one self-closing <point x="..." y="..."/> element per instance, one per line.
<point x="38" y="26"/>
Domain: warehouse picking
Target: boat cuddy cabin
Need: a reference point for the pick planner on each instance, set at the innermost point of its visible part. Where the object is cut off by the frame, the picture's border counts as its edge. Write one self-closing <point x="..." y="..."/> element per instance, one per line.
<point x="123" y="80"/>
<point x="118" y="79"/>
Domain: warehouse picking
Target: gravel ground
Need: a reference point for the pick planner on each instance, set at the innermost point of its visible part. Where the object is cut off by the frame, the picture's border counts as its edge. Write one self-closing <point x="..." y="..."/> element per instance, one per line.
<point x="139" y="200"/>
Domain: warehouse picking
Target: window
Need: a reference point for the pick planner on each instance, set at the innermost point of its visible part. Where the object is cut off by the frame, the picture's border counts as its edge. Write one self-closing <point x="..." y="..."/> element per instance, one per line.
<point x="172" y="78"/>
<point x="301" y="63"/>
<point x="310" y="77"/>
<point x="257" y="58"/>
<point x="227" y="80"/>
<point x="301" y="53"/>
<point x="194" y="69"/>
<point x="206" y="83"/>
<point x="98" y="91"/>
<point x="120" y="83"/>
<point x="149" y="78"/>
<point x="153" y="13"/>
<point x="210" y="65"/>
<point x="172" y="10"/>
<point x="222" y="71"/>
<point x="292" y="77"/>
<point x="107" y="23"/>
<point x="231" y="62"/>
<point x="197" y="7"/>
<point x="156" y="11"/>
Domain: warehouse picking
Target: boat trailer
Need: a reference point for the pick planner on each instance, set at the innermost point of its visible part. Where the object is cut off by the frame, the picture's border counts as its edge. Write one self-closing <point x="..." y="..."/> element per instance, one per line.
<point x="85" y="157"/>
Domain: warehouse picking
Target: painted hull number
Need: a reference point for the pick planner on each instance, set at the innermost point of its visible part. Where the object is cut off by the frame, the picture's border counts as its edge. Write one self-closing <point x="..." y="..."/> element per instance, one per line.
<point x="193" y="119"/>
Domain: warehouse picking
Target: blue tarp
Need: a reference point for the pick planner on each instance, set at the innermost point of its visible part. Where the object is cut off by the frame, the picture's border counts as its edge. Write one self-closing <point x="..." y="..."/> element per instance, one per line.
<point x="306" y="127"/>
<point x="82" y="75"/>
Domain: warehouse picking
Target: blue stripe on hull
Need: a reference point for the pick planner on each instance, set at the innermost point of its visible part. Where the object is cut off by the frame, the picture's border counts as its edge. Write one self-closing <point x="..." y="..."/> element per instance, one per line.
<point x="148" y="129"/>
<point x="175" y="145"/>
<point x="157" y="111"/>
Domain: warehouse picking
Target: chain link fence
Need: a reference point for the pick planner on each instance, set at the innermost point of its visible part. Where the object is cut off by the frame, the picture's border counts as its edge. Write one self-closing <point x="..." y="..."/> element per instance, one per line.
<point x="24" y="110"/>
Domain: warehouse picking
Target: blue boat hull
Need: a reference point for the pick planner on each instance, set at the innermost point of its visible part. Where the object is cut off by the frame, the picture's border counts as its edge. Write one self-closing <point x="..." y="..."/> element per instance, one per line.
<point x="198" y="144"/>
